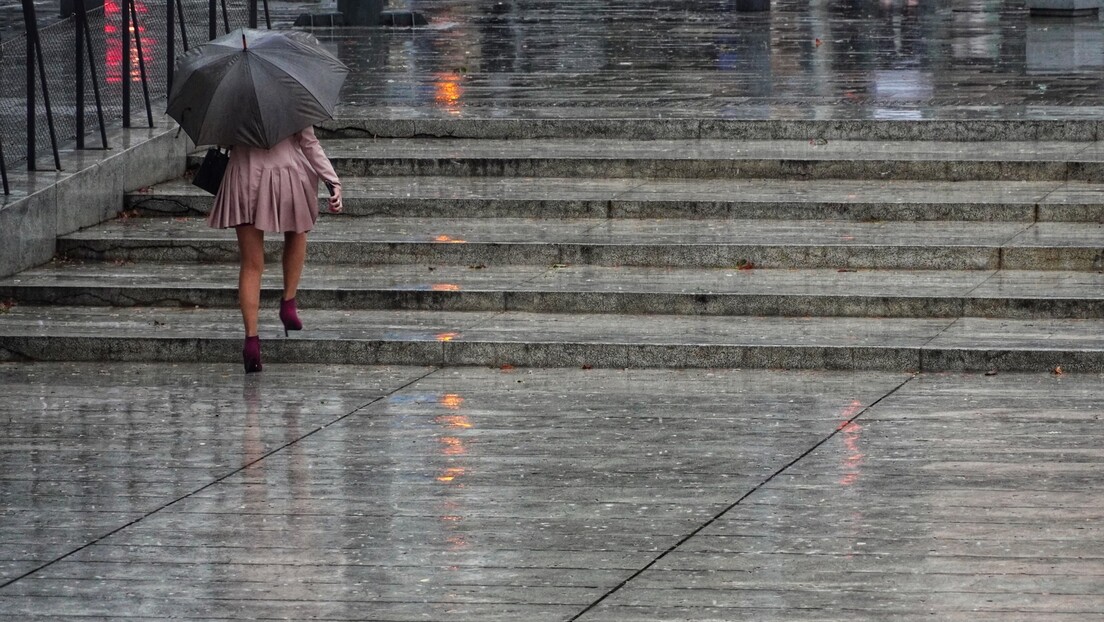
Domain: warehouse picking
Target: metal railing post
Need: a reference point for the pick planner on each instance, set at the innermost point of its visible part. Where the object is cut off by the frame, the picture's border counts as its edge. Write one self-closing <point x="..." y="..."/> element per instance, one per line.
<point x="183" y="24"/>
<point x="95" y="78"/>
<point x="125" y="10"/>
<point x="252" y="13"/>
<point x="268" y="16"/>
<point x="212" y="19"/>
<point x="141" y="60"/>
<point x="170" y="44"/>
<point x="34" y="56"/>
<point x="28" y="20"/>
<point x="3" y="170"/>
<point x="78" y="38"/>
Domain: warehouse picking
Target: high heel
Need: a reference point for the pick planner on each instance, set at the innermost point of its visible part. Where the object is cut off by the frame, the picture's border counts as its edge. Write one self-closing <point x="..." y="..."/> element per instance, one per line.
<point x="251" y="354"/>
<point x="289" y="316"/>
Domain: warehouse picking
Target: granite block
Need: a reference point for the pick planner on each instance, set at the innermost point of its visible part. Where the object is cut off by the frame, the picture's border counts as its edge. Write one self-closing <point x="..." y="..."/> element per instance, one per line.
<point x="28" y="227"/>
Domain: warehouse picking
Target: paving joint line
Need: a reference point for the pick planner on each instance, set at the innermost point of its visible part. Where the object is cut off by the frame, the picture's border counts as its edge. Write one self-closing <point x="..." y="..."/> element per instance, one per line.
<point x="1064" y="184"/>
<point x="920" y="349"/>
<point x="969" y="293"/>
<point x="617" y="195"/>
<point x="221" y="479"/>
<point x="1006" y="244"/>
<point x="839" y="428"/>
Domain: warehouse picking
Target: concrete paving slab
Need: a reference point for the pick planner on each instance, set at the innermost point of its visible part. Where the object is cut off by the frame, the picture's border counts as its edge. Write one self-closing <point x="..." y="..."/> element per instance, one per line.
<point x="420" y="504"/>
<point x="902" y="515"/>
<point x="87" y="449"/>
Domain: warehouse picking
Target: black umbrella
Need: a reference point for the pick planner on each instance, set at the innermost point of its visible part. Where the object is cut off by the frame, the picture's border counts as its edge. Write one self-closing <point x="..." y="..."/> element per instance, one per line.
<point x="254" y="87"/>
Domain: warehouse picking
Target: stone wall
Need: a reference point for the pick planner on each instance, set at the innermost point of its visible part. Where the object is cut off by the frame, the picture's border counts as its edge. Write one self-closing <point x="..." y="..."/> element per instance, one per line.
<point x="90" y="190"/>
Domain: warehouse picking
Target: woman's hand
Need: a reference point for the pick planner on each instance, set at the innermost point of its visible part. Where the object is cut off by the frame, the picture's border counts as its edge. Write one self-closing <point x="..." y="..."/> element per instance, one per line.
<point x="336" y="204"/>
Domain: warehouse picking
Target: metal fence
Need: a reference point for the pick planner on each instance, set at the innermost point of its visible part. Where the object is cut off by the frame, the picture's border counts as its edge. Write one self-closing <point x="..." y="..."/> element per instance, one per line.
<point x="89" y="72"/>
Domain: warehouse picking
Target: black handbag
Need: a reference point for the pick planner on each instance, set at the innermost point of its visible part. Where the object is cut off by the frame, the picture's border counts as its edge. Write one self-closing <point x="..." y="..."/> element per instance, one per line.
<point x="210" y="173"/>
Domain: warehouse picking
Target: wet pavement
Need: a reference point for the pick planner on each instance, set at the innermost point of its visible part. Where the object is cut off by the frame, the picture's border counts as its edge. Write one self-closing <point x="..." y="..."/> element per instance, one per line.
<point x="661" y="457"/>
<point x="355" y="493"/>
<point x="823" y="59"/>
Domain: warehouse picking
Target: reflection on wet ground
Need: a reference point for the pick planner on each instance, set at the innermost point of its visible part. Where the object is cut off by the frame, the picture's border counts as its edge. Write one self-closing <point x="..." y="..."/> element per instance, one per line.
<point x="656" y="58"/>
<point x="190" y="491"/>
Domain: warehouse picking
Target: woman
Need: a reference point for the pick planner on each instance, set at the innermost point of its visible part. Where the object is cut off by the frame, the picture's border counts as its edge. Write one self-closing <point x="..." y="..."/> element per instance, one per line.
<point x="273" y="190"/>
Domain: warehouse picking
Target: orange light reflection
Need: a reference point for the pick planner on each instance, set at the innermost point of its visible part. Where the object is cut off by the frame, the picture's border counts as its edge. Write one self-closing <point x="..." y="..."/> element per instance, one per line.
<point x="445" y="287"/>
<point x="450" y="474"/>
<point x="452" y="401"/>
<point x="448" y="239"/>
<point x="447" y="336"/>
<point x="457" y="422"/>
<point x="448" y="91"/>
<point x="452" y="446"/>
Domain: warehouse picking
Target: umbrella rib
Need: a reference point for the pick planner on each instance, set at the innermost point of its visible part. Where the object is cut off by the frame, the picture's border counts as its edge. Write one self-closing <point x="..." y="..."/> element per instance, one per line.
<point x="256" y="103"/>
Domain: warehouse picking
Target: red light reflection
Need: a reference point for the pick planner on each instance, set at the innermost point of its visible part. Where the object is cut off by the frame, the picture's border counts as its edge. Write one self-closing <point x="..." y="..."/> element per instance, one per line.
<point x="113" y="56"/>
<point x="851" y="465"/>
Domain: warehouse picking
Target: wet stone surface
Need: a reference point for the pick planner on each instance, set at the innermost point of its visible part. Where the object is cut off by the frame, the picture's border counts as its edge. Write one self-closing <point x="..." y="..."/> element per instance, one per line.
<point x="694" y="59"/>
<point x="591" y="177"/>
<point x="347" y="493"/>
<point x="956" y="498"/>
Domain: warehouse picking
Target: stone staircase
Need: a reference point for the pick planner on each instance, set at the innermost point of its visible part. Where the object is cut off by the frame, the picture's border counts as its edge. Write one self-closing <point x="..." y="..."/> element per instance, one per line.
<point x="859" y="245"/>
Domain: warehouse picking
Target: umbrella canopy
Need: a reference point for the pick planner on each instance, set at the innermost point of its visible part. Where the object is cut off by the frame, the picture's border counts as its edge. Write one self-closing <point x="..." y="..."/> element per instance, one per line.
<point x="254" y="87"/>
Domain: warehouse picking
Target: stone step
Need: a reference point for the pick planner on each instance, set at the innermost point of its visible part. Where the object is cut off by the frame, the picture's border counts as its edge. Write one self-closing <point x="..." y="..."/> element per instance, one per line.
<point x="583" y="289"/>
<point x="556" y="340"/>
<point x="667" y="243"/>
<point x="723" y="159"/>
<point x="349" y="124"/>
<point x="492" y="197"/>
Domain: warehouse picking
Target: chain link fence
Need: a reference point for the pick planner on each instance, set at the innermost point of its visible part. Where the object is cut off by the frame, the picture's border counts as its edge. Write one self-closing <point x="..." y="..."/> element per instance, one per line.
<point x="106" y="62"/>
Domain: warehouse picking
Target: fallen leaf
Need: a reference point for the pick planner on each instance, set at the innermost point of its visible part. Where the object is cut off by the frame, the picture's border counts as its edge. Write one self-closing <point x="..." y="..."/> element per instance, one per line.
<point x="559" y="265"/>
<point x="588" y="367"/>
<point x="818" y="42"/>
<point x="744" y="264"/>
<point x="845" y="270"/>
<point x="991" y="372"/>
<point x="1058" y="371"/>
<point x="507" y="368"/>
<point x="478" y="266"/>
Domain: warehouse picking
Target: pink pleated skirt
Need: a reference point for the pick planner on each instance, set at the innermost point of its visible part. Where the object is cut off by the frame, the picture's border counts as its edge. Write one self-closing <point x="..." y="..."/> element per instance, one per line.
<point x="276" y="192"/>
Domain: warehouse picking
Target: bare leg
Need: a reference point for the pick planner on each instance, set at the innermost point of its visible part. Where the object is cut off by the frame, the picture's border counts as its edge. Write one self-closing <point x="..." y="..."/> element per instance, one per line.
<point x="251" y="246"/>
<point x="295" y="254"/>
